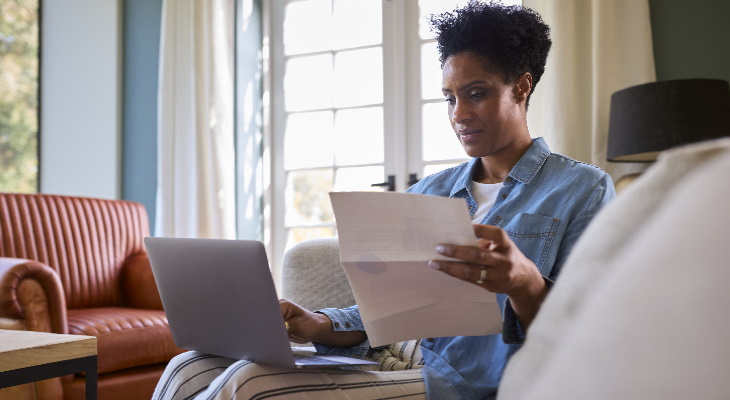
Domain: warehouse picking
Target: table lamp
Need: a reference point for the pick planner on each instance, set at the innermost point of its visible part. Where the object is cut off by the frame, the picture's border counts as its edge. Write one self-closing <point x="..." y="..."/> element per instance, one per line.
<point x="650" y="118"/>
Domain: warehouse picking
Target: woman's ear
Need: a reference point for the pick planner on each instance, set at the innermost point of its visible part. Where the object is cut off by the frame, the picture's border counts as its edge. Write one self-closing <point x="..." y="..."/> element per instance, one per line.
<point x="523" y="86"/>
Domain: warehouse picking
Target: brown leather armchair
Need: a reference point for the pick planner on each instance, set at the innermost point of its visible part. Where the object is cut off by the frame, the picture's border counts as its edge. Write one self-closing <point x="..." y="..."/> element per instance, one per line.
<point x="78" y="265"/>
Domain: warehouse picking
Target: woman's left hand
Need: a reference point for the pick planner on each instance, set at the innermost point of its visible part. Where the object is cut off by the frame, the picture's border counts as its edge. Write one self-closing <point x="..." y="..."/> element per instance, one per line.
<point x="497" y="265"/>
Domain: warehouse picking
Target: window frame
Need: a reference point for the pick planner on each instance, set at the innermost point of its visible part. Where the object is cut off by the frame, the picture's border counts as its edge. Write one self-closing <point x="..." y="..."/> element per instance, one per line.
<point x="403" y="153"/>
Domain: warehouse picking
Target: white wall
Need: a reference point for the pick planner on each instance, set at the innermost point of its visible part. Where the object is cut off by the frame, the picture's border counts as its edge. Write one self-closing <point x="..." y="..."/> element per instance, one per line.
<point x="81" y="98"/>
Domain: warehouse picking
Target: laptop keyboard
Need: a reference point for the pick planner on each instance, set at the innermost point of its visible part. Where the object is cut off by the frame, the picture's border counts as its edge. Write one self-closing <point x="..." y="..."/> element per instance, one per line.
<point x="314" y="360"/>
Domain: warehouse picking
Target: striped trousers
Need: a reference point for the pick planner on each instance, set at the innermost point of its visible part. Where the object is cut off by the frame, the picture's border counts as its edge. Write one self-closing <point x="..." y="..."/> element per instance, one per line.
<point x="199" y="376"/>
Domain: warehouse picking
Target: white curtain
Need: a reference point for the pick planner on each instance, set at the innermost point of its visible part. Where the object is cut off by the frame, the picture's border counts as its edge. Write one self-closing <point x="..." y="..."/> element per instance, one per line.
<point x="599" y="47"/>
<point x="196" y="171"/>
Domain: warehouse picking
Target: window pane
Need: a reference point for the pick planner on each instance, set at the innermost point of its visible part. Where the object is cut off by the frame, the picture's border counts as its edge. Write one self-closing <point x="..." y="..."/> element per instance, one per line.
<point x="307" y="26"/>
<point x="307" y="197"/>
<point x="357" y="23"/>
<point x="431" y="78"/>
<point x="439" y="140"/>
<point x="359" y="77"/>
<point x="359" y="136"/>
<point x="359" y="179"/>
<point x="298" y="235"/>
<point x="308" y="140"/>
<point x="19" y="96"/>
<point x="308" y="83"/>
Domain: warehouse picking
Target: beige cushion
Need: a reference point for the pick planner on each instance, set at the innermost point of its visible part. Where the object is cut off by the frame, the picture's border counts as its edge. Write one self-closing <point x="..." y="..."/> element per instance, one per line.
<point x="313" y="276"/>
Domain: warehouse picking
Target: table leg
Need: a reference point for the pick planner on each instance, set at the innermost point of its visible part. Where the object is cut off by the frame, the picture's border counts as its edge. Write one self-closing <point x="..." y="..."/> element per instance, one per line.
<point x="91" y="379"/>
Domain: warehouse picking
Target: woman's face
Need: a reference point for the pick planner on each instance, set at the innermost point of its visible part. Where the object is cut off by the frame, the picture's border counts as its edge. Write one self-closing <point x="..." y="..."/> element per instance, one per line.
<point x="486" y="114"/>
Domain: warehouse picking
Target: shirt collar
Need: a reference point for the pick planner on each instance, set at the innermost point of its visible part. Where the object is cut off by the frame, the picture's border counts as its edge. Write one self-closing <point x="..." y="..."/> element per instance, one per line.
<point x="531" y="162"/>
<point x="526" y="168"/>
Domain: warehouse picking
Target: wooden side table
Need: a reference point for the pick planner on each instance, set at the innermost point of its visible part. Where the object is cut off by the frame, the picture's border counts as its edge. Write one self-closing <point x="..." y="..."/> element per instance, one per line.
<point x="27" y="356"/>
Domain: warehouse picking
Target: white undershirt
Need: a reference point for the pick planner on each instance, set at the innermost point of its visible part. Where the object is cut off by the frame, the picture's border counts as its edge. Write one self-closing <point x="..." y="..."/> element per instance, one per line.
<point x="485" y="195"/>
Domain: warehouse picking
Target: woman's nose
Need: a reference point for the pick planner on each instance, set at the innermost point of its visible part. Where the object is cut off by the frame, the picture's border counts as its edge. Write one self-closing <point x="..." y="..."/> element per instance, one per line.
<point x="459" y="113"/>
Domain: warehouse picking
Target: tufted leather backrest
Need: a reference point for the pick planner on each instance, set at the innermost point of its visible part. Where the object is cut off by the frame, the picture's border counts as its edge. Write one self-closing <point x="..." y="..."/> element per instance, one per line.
<point x="85" y="240"/>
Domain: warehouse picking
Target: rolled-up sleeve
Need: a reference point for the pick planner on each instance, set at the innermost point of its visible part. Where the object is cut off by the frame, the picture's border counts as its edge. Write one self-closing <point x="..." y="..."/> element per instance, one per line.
<point x="343" y="320"/>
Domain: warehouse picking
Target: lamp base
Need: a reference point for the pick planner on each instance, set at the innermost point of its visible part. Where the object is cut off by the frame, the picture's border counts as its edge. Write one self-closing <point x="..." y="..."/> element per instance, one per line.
<point x="624" y="181"/>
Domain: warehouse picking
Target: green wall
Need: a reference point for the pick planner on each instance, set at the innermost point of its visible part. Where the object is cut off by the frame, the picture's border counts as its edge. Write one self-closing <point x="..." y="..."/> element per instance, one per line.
<point x="691" y="38"/>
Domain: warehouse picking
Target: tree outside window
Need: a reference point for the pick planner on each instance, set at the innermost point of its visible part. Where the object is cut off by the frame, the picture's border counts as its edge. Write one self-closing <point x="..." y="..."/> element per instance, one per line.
<point x="19" y="45"/>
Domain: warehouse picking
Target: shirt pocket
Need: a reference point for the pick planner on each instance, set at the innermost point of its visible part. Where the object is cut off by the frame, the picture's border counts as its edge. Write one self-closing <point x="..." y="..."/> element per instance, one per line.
<point x="534" y="235"/>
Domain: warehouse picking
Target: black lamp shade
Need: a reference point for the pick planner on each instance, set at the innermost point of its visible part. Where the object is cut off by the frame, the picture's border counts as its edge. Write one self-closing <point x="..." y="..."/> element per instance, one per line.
<point x="653" y="117"/>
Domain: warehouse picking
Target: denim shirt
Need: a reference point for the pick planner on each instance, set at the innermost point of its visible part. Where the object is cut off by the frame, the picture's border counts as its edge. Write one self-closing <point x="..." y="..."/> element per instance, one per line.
<point x="546" y="203"/>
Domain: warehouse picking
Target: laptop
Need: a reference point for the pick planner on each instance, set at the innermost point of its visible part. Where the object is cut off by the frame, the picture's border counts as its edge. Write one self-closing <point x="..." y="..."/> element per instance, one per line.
<point x="219" y="298"/>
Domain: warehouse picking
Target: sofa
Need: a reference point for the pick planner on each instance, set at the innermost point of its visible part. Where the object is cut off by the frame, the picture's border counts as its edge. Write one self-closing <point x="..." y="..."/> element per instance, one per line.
<point x="77" y="265"/>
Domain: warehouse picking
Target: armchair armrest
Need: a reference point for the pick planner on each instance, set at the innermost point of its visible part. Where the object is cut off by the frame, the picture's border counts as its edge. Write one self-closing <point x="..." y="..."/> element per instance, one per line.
<point x="139" y="288"/>
<point x="32" y="291"/>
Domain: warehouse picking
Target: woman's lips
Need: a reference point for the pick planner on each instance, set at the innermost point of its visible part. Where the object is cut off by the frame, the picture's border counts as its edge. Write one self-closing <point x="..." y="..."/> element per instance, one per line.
<point x="466" y="135"/>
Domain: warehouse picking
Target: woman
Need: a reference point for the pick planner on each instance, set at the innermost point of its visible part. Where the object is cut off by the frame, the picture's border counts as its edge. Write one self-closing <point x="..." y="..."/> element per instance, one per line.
<point x="529" y="207"/>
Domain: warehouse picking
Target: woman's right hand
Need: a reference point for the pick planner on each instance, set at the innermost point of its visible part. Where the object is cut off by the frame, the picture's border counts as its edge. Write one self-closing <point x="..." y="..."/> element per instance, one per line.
<point x="303" y="325"/>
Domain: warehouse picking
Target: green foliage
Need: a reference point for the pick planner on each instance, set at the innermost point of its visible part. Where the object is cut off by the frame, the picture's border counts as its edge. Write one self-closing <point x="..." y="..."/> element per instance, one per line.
<point x="19" y="96"/>
<point x="311" y="202"/>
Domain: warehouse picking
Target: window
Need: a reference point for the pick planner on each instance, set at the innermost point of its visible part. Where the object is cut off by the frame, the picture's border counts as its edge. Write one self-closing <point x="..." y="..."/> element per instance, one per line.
<point x="19" y="43"/>
<point x="355" y="101"/>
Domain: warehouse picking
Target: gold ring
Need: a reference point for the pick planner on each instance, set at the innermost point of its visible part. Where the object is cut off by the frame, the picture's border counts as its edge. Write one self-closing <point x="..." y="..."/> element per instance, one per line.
<point x="482" y="274"/>
<point x="286" y="325"/>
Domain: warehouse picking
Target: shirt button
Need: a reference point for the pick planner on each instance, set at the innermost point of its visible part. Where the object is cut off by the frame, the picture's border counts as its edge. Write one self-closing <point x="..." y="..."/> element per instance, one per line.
<point x="337" y="324"/>
<point x="508" y="180"/>
<point x="430" y="339"/>
<point x="347" y="324"/>
<point x="504" y="196"/>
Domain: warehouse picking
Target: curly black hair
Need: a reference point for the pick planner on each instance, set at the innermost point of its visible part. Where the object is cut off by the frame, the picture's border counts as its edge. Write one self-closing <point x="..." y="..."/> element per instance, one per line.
<point x="512" y="39"/>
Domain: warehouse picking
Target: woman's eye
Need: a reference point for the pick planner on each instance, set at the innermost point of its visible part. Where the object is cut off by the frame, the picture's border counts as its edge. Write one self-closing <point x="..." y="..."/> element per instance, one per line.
<point x="450" y="100"/>
<point x="476" y="95"/>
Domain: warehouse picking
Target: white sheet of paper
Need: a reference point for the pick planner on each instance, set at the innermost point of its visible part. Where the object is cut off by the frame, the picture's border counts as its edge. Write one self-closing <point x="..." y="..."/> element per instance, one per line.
<point x="386" y="240"/>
